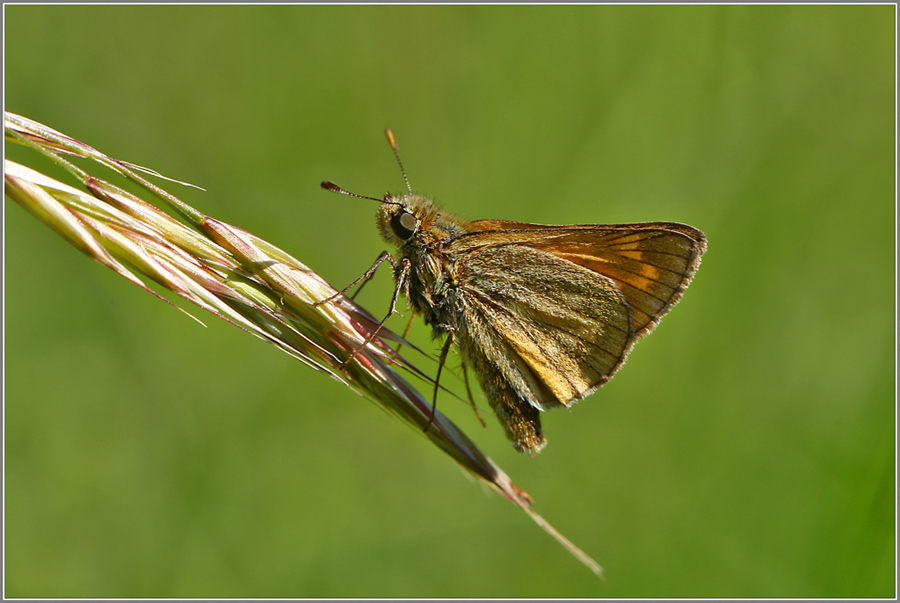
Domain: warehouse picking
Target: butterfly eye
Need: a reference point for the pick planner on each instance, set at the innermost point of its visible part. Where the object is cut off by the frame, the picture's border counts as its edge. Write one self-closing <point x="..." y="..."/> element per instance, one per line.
<point x="404" y="225"/>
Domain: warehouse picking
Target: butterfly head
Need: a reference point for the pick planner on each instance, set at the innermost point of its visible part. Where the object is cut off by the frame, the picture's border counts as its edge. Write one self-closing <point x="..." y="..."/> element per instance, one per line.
<point x="414" y="221"/>
<point x="400" y="219"/>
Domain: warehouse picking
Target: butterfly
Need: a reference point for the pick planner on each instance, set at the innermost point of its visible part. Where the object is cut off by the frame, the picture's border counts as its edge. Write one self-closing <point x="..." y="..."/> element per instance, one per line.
<point x="544" y="315"/>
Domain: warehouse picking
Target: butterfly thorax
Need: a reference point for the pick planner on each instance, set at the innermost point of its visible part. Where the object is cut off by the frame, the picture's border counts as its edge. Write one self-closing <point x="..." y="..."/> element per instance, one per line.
<point x="420" y="232"/>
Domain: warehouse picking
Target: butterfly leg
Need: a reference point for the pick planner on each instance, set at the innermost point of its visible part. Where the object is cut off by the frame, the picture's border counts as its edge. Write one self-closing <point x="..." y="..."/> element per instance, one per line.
<point x="365" y="278"/>
<point x="402" y="272"/>
<point x="465" y="373"/>
<point x="437" y="378"/>
<point x="405" y="333"/>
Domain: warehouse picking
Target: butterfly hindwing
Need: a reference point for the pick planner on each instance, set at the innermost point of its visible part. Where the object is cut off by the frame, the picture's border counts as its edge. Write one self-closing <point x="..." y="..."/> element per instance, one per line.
<point x="555" y="329"/>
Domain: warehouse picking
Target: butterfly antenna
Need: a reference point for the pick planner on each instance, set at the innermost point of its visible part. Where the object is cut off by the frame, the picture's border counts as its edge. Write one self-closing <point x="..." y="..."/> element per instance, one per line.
<point x="393" y="142"/>
<point x="328" y="185"/>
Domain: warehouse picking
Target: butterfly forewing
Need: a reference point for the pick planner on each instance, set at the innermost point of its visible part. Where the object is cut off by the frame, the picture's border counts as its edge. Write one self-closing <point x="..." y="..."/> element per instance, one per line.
<point x="651" y="263"/>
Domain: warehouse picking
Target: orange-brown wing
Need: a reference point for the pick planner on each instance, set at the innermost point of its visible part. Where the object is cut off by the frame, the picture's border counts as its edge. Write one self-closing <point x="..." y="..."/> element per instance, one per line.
<point x="553" y="330"/>
<point x="652" y="263"/>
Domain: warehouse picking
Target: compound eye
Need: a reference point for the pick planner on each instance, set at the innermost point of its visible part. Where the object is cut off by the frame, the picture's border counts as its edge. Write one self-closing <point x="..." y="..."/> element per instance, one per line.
<point x="404" y="225"/>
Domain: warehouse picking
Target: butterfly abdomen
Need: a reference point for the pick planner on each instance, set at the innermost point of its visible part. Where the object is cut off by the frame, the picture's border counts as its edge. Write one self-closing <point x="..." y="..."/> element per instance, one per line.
<point x="521" y="421"/>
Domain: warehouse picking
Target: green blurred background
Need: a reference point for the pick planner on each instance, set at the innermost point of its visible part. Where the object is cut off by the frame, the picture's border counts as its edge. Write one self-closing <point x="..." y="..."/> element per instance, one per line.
<point x="746" y="450"/>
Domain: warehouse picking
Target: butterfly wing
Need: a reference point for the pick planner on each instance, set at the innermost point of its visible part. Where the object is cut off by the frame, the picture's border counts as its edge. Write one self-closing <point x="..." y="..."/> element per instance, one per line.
<point x="555" y="297"/>
<point x="652" y="263"/>
<point x="539" y="331"/>
<point x="552" y="312"/>
<point x="555" y="330"/>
